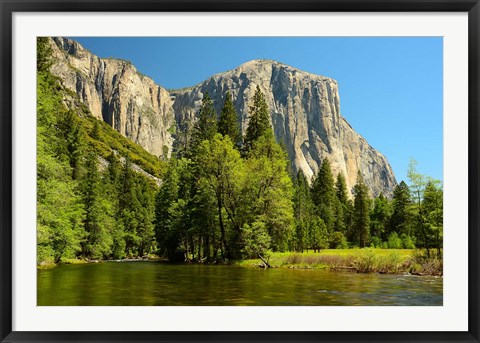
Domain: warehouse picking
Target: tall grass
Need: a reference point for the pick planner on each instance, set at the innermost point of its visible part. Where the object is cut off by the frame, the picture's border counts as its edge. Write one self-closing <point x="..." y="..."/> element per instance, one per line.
<point x="385" y="261"/>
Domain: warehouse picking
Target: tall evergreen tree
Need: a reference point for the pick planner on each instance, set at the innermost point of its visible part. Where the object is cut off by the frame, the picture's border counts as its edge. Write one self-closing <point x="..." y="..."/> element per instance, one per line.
<point x="228" y="122"/>
<point x="361" y="210"/>
<point x="323" y="194"/>
<point x="205" y="127"/>
<point x="380" y="217"/>
<point x="303" y="211"/>
<point x="259" y="121"/>
<point x="44" y="54"/>
<point x="401" y="214"/>
<point x="98" y="219"/>
<point x="72" y="142"/>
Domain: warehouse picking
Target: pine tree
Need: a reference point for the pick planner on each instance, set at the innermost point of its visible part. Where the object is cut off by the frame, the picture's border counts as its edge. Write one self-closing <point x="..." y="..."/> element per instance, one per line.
<point x="44" y="53"/>
<point x="128" y="204"/>
<point x="72" y="142"/>
<point x="361" y="208"/>
<point x="323" y="194"/>
<point x="96" y="131"/>
<point x="303" y="211"/>
<point x="98" y="212"/>
<point x="401" y="214"/>
<point x="205" y="127"/>
<point x="228" y="122"/>
<point x="380" y="218"/>
<point x="259" y="121"/>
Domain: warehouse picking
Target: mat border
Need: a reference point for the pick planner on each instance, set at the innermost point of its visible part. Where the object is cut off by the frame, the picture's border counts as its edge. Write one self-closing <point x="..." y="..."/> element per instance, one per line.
<point x="9" y="7"/>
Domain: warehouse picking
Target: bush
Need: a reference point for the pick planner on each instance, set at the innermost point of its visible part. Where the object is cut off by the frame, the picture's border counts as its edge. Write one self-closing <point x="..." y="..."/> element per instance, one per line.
<point x="407" y="242"/>
<point x="394" y="242"/>
<point x="376" y="242"/>
<point x="366" y="261"/>
<point x="338" y="241"/>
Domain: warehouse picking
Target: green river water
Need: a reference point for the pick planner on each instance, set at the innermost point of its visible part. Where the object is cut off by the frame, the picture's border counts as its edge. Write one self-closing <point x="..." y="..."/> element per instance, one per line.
<point x="162" y="284"/>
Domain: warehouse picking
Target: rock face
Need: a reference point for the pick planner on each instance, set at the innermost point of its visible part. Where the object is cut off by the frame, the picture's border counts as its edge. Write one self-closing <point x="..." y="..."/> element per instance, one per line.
<point x="117" y="93"/>
<point x="305" y="115"/>
<point x="305" y="110"/>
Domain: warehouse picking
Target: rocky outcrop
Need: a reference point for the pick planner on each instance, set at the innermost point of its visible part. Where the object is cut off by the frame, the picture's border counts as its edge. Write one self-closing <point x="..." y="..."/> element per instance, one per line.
<point x="305" y="115"/>
<point x="117" y="93"/>
<point x="305" y="110"/>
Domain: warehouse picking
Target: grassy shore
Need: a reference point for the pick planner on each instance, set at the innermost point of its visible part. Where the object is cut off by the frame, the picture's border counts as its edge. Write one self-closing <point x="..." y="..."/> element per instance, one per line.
<point x="386" y="261"/>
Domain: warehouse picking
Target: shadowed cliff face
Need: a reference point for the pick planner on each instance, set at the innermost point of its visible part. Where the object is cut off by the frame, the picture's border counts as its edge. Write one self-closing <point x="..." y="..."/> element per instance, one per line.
<point x="305" y="110"/>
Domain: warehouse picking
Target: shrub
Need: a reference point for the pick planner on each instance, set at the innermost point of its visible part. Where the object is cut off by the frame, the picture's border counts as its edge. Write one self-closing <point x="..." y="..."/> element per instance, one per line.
<point x="376" y="242"/>
<point x="407" y="241"/>
<point x="394" y="242"/>
<point x="338" y="241"/>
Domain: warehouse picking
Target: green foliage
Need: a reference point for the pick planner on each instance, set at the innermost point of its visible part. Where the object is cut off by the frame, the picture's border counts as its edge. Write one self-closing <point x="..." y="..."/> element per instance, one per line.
<point x="361" y="210"/>
<point x="268" y="190"/>
<point x="380" y="217"/>
<point x="338" y="241"/>
<point x="256" y="240"/>
<point x="259" y="121"/>
<point x="324" y="195"/>
<point x="408" y="242"/>
<point x="44" y="52"/>
<point x="171" y="213"/>
<point x="394" y="242"/>
<point x="401" y="209"/>
<point x="303" y="212"/>
<point x="228" y="122"/>
<point x="78" y="207"/>
<point x="205" y="127"/>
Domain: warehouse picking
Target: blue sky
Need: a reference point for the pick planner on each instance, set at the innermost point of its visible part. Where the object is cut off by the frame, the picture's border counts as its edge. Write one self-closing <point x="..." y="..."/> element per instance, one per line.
<point x="391" y="89"/>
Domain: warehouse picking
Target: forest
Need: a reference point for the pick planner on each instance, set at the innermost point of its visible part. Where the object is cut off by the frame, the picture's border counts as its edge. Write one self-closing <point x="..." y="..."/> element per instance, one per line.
<point x="222" y="197"/>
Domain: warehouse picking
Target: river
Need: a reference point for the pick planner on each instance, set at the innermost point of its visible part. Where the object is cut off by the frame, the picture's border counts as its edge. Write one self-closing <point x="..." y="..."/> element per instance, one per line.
<point x="162" y="284"/>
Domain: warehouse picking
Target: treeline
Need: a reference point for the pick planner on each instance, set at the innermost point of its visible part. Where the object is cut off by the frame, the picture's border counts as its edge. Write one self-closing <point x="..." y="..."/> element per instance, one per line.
<point x="227" y="199"/>
<point x="223" y="197"/>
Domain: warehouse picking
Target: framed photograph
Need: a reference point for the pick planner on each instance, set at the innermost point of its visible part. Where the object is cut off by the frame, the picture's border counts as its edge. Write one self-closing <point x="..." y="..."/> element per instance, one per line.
<point x="238" y="171"/>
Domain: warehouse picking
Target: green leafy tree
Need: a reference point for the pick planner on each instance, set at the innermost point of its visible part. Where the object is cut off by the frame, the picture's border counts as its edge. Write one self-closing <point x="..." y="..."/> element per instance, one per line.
<point x="433" y="205"/>
<point x="361" y="211"/>
<point x="268" y="191"/>
<point x="228" y="122"/>
<point x="418" y="182"/>
<point x="256" y="241"/>
<point x="259" y="121"/>
<point x="222" y="170"/>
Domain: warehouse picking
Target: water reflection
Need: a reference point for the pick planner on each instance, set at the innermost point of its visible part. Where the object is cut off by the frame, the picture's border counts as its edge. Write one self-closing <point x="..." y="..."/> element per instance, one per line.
<point x="157" y="284"/>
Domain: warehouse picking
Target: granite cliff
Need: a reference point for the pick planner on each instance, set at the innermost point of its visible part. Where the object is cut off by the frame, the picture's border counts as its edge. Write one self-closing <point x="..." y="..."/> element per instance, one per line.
<point x="305" y="110"/>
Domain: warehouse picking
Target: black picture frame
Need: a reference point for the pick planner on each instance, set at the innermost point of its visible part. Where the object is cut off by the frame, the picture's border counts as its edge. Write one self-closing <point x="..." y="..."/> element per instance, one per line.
<point x="9" y="7"/>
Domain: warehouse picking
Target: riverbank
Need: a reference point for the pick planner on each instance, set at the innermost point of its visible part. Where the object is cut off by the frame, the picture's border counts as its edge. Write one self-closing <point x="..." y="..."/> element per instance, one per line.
<point x="50" y="265"/>
<point x="384" y="261"/>
<point x="369" y="260"/>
